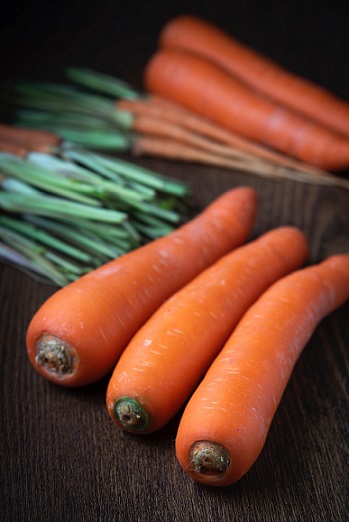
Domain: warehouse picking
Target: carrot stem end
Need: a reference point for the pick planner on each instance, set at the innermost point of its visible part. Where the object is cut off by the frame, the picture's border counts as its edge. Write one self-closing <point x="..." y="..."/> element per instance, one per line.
<point x="209" y="458"/>
<point x="130" y="414"/>
<point x="55" y="356"/>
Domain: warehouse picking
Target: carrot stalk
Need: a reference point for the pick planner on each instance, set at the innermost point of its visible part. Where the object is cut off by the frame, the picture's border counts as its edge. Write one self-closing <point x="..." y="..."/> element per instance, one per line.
<point x="44" y="192"/>
<point x="102" y="82"/>
<point x="166" y="358"/>
<point x="180" y="77"/>
<point x="228" y="417"/>
<point x="168" y="119"/>
<point x="192" y="34"/>
<point x="90" y="321"/>
<point x="35" y="255"/>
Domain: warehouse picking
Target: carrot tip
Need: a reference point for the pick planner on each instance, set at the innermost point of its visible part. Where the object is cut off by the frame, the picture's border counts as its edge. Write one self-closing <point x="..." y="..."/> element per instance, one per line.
<point x="209" y="458"/>
<point x="130" y="414"/>
<point x="55" y="356"/>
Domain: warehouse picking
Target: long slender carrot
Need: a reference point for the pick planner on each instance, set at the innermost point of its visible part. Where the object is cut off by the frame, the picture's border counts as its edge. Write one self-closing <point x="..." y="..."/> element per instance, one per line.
<point x="78" y="334"/>
<point x="181" y="77"/>
<point x="193" y="34"/>
<point x="165" y="360"/>
<point x="226" y="421"/>
<point x="171" y="111"/>
<point x="150" y="125"/>
<point x="13" y="147"/>
<point x="34" y="137"/>
<point x="176" y="150"/>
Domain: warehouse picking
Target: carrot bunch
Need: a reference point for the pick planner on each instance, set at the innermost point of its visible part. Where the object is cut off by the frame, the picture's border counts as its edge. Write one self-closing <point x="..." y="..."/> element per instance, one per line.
<point x="201" y="317"/>
<point x="66" y="210"/>
<point x="122" y="119"/>
<point x="77" y="336"/>
<point x="205" y="70"/>
<point x="195" y="317"/>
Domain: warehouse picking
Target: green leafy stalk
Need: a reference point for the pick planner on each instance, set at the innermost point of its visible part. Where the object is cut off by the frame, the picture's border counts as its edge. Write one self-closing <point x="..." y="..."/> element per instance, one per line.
<point x="58" y="99"/>
<point x="57" y="207"/>
<point x="43" y="179"/>
<point x="33" y="232"/>
<point x="34" y="254"/>
<point x="111" y="166"/>
<point x="102" y="82"/>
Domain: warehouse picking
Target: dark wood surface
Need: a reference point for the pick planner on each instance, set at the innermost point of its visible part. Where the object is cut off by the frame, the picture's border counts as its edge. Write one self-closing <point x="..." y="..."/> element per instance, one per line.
<point x="62" y="458"/>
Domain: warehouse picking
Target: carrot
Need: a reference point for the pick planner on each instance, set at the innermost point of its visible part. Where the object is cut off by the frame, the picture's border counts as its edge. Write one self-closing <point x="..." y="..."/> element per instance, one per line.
<point x="78" y="334"/>
<point x="181" y="77"/>
<point x="13" y="147"/>
<point x="32" y="137"/>
<point x="226" y="421"/>
<point x="177" y="150"/>
<point x="149" y="125"/>
<point x="164" y="361"/>
<point x="189" y="33"/>
<point x="167" y="110"/>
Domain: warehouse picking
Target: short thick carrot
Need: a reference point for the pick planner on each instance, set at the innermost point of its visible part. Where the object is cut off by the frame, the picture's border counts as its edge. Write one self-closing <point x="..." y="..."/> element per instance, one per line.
<point x="164" y="361"/>
<point x="78" y="334"/>
<point x="198" y="36"/>
<point x="225" y="423"/>
<point x="181" y="77"/>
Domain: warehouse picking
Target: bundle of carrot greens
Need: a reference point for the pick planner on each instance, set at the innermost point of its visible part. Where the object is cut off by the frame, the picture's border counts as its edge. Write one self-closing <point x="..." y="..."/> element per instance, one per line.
<point x="105" y="113"/>
<point x="67" y="211"/>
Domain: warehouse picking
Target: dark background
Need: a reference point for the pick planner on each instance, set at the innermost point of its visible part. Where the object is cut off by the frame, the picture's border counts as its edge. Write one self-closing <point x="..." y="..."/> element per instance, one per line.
<point x="62" y="459"/>
<point x="38" y="39"/>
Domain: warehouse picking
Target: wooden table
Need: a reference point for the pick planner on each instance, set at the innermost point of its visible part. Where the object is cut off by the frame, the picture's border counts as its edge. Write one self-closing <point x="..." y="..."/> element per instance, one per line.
<point x="62" y="458"/>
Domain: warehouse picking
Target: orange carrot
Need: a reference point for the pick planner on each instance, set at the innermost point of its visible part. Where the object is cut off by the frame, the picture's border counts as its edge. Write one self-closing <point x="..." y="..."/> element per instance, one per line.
<point x="78" y="334"/>
<point x="177" y="150"/>
<point x="149" y="125"/>
<point x="13" y="147"/>
<point x="189" y="33"/>
<point x="165" y="360"/>
<point x="226" y="421"/>
<point x="167" y="110"/>
<point x="181" y="77"/>
<point x="31" y="137"/>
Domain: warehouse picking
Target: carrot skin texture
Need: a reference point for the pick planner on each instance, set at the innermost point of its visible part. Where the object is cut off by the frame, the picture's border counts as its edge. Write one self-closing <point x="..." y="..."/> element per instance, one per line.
<point x="96" y="316"/>
<point x="236" y="401"/>
<point x="204" y="88"/>
<point x="166" y="358"/>
<point x="188" y="33"/>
